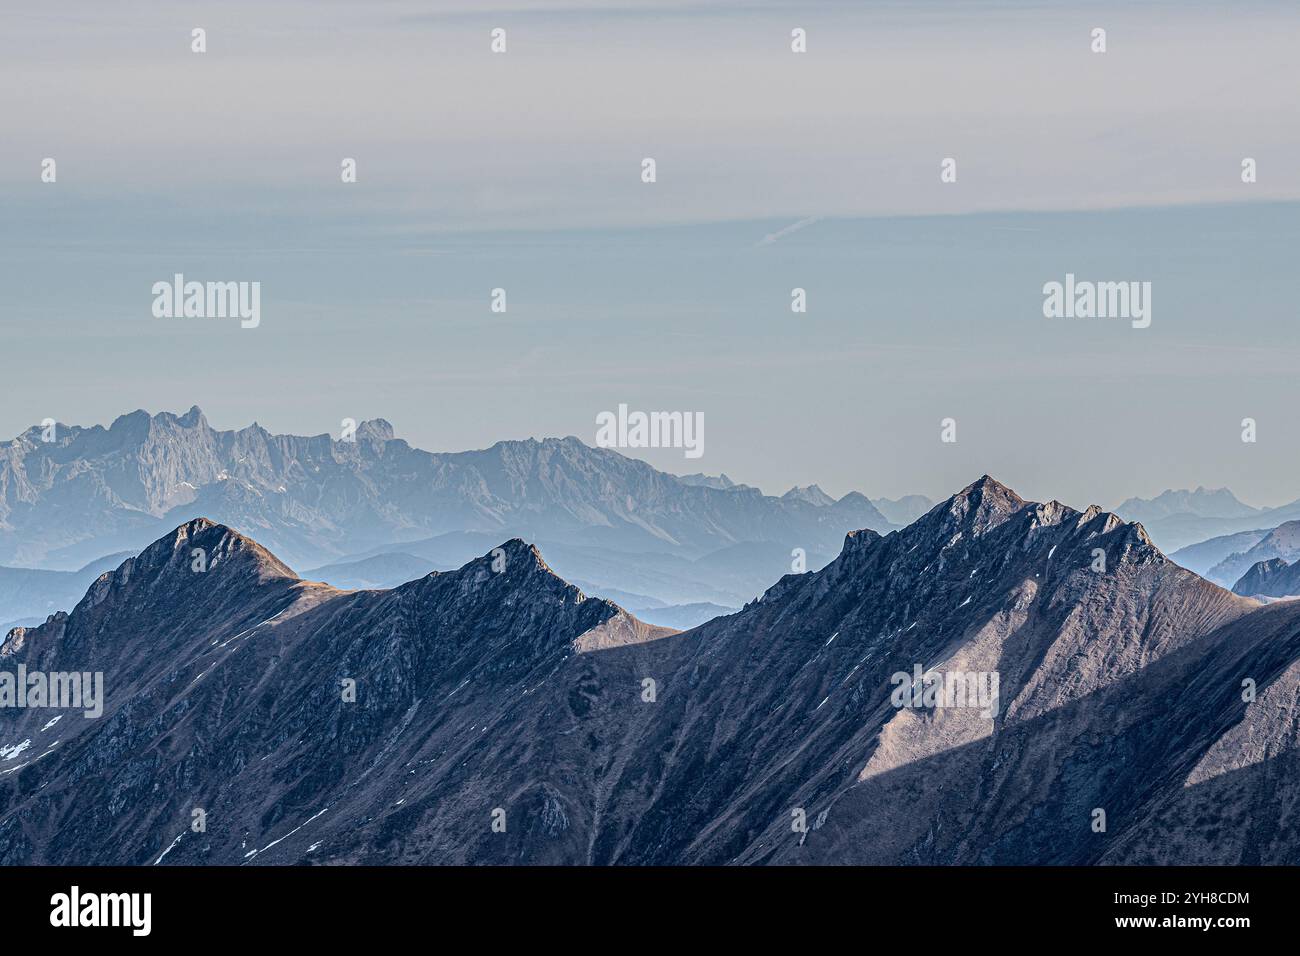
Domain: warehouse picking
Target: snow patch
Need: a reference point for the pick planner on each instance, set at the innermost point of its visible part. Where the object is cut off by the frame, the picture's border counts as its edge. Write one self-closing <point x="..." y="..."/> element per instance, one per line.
<point x="13" y="750"/>
<point x="251" y="853"/>
<point x="170" y="848"/>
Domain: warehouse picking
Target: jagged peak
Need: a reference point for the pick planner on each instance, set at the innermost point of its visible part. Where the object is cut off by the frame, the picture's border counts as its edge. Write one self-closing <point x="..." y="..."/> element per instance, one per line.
<point x="198" y="543"/>
<point x="812" y="494"/>
<point x="720" y="482"/>
<point x="984" y="504"/>
<point x="987" y="505"/>
<point x="518" y="548"/>
<point x="140" y="425"/>
<point x="568" y="441"/>
<point x="193" y="418"/>
<point x="519" y="568"/>
<point x="515" y="560"/>
<point x="1111" y="522"/>
<point x="1262" y="576"/>
<point x="1049" y="513"/>
<point x="987" y="486"/>
<point x="130" y="422"/>
<point x="862" y="538"/>
<point x="376" y="429"/>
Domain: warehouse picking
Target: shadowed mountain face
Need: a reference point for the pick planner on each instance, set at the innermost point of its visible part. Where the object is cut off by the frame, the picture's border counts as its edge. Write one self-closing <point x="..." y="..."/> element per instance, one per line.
<point x="315" y="501"/>
<point x="498" y="694"/>
<point x="1271" y="578"/>
<point x="225" y="691"/>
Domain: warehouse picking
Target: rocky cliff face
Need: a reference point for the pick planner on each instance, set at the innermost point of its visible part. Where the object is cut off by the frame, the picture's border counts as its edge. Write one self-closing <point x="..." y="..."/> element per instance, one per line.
<point x="263" y="700"/>
<point x="502" y="717"/>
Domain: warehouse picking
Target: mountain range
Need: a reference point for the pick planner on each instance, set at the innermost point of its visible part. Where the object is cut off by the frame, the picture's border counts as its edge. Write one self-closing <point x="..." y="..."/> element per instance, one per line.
<point x="499" y="715"/>
<point x="1179" y="521"/>
<point x="1283" y="543"/>
<point x="612" y="521"/>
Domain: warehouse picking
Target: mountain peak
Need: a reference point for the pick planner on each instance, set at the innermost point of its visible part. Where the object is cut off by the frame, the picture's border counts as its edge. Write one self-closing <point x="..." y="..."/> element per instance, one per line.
<point x="812" y="494"/>
<point x="376" y="429"/>
<point x="199" y="546"/>
<point x="514" y="561"/>
<point x="984" y="503"/>
<point x="720" y="482"/>
<point x="130" y="422"/>
<point x="139" y="426"/>
<point x="987" y="482"/>
<point x="519" y="549"/>
<point x="193" y="417"/>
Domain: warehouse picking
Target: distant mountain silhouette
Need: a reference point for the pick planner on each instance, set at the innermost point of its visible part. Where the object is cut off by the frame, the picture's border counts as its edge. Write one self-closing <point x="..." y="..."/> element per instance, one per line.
<point x="1204" y="555"/>
<point x="1178" y="520"/>
<point x="1282" y="542"/>
<point x="28" y="592"/>
<point x="1202" y="502"/>
<point x="903" y="511"/>
<point x="318" y="501"/>
<point x="720" y="482"/>
<point x="812" y="494"/>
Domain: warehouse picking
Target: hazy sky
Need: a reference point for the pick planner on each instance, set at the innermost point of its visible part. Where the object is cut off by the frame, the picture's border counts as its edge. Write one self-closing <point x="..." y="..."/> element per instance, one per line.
<point x="522" y="171"/>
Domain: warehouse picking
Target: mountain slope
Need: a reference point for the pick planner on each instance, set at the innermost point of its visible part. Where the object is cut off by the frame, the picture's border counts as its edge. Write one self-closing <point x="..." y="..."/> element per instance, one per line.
<point x="601" y="740"/>
<point x="986" y="582"/>
<point x="227" y="697"/>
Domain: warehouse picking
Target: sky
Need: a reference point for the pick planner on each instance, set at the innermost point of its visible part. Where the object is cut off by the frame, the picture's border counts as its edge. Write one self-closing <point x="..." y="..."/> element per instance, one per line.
<point x="775" y="170"/>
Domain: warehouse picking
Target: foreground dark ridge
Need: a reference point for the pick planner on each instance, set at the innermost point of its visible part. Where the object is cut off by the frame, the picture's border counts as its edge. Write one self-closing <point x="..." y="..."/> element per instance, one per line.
<point x="505" y="696"/>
